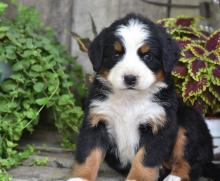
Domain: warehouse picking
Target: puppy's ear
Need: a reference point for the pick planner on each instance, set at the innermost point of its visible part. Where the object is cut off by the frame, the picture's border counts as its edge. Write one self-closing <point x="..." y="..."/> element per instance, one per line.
<point x="96" y="50"/>
<point x="170" y="50"/>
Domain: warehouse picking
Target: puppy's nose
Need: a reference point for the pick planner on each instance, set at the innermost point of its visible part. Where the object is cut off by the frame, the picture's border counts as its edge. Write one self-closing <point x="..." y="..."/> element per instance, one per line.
<point x="130" y="80"/>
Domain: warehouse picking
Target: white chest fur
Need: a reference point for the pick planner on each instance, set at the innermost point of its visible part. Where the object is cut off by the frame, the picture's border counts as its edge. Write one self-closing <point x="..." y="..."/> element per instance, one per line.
<point x="124" y="112"/>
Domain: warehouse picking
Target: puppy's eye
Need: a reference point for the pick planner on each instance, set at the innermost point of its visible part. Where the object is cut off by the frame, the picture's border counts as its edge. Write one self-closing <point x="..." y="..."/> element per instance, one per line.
<point x="147" y="57"/>
<point x="118" y="49"/>
<point x="118" y="54"/>
<point x="144" y="52"/>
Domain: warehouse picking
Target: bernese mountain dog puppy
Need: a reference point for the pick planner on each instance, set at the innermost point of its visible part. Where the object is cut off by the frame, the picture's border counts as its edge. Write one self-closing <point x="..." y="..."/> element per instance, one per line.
<point x="133" y="119"/>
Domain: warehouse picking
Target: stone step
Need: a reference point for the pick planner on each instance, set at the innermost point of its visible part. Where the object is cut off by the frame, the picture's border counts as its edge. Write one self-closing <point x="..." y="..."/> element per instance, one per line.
<point x="58" y="168"/>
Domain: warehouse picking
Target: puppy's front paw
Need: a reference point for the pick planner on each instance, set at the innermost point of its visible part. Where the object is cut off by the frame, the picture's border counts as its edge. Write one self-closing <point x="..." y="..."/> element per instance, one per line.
<point x="172" y="178"/>
<point x="76" y="179"/>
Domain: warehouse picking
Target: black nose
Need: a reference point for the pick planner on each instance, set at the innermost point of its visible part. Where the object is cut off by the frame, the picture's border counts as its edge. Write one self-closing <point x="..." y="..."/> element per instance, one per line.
<point x="130" y="80"/>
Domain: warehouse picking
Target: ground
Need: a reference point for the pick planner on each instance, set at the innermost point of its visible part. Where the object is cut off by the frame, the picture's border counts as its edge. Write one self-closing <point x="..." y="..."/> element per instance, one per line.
<point x="58" y="168"/>
<point x="60" y="161"/>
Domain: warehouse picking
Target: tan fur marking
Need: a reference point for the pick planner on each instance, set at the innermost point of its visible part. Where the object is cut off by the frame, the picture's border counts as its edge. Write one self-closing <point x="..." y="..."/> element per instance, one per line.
<point x="159" y="76"/>
<point x="140" y="173"/>
<point x="104" y="73"/>
<point x="89" y="79"/>
<point x="144" y="48"/>
<point x="89" y="169"/>
<point x="157" y="123"/>
<point x="96" y="118"/>
<point x="118" y="47"/>
<point x="180" y="167"/>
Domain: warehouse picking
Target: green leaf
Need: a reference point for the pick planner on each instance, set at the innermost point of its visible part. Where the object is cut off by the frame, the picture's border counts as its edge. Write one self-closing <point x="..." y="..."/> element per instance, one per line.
<point x="17" y="66"/>
<point x="42" y="101"/>
<point x="4" y="108"/>
<point x="10" y="52"/>
<point x="28" y="53"/>
<point x="52" y="87"/>
<point x="40" y="162"/>
<point x="30" y="43"/>
<point x="2" y="35"/>
<point x="18" y="77"/>
<point x="37" y="68"/>
<point x="4" y="28"/>
<point x="3" y="6"/>
<point x="10" y="144"/>
<point x="31" y="114"/>
<point x="8" y="85"/>
<point x="12" y="105"/>
<point x="14" y="37"/>
<point x="64" y="99"/>
<point x="26" y="104"/>
<point x="39" y="87"/>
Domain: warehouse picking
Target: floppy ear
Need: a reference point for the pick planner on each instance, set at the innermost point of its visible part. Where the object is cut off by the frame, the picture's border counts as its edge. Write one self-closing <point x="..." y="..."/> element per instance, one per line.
<point x="170" y="50"/>
<point x="96" y="49"/>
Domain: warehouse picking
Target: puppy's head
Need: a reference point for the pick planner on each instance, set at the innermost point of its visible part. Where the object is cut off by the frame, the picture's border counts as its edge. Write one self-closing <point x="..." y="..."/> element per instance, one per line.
<point x="133" y="53"/>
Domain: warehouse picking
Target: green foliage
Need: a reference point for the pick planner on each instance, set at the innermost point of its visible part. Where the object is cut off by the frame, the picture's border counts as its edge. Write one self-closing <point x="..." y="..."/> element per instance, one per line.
<point x="40" y="162"/>
<point x="197" y="74"/>
<point x="3" y="6"/>
<point x="15" y="158"/>
<point x="4" y="176"/>
<point x="43" y="75"/>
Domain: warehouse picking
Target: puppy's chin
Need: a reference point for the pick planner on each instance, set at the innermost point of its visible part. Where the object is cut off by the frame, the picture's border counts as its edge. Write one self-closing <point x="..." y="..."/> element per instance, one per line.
<point x="130" y="89"/>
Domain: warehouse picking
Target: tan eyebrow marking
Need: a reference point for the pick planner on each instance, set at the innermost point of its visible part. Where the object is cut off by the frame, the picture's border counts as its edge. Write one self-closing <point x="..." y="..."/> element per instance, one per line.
<point x="118" y="46"/>
<point x="144" y="48"/>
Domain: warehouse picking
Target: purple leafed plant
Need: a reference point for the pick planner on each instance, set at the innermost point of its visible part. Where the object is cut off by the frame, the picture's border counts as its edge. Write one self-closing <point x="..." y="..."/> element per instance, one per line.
<point x="197" y="74"/>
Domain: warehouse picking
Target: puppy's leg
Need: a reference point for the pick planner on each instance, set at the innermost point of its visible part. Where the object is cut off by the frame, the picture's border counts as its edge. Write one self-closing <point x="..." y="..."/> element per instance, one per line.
<point x="180" y="167"/>
<point x="154" y="148"/>
<point x="91" y="147"/>
<point x="139" y="171"/>
<point x="89" y="168"/>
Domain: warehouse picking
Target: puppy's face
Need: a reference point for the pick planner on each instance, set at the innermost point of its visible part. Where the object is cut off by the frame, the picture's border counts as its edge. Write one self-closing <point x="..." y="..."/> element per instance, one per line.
<point x="136" y="61"/>
<point x="130" y="54"/>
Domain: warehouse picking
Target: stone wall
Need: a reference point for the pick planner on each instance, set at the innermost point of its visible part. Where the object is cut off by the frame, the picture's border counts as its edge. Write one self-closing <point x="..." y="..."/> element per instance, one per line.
<point x="74" y="15"/>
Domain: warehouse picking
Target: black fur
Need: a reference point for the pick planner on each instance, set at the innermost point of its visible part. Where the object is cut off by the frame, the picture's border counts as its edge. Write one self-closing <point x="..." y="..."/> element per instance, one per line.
<point x="96" y="51"/>
<point x="198" y="151"/>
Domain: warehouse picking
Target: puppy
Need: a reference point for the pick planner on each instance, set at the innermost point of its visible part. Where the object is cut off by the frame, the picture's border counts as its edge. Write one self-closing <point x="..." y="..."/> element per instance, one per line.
<point x="131" y="111"/>
<point x="130" y="117"/>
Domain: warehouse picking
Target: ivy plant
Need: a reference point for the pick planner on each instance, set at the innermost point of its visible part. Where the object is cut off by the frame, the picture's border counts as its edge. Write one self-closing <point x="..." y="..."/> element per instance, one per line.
<point x="43" y="75"/>
<point x="197" y="74"/>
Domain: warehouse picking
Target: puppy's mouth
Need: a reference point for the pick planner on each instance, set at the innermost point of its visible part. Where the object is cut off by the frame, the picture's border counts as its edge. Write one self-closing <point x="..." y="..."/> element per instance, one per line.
<point x="131" y="88"/>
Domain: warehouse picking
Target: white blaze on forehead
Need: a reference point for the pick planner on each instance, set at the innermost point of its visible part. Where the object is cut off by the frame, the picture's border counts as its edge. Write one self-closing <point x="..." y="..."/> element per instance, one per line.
<point x="133" y="34"/>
